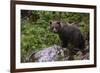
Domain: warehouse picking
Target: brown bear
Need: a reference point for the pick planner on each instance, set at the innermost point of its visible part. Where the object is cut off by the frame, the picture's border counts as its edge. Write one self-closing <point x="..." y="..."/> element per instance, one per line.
<point x="69" y="34"/>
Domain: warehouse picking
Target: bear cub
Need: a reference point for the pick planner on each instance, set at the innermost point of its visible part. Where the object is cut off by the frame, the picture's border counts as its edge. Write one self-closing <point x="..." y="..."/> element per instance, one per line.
<point x="69" y="34"/>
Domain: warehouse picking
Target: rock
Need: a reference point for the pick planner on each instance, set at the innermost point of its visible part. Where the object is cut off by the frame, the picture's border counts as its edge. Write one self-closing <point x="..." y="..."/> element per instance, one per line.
<point x="78" y="56"/>
<point x="85" y="57"/>
<point x="56" y="53"/>
<point x="81" y="56"/>
<point x="53" y="53"/>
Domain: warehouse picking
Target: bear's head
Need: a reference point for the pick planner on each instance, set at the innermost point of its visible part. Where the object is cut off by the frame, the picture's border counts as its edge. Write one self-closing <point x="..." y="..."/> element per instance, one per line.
<point x="55" y="26"/>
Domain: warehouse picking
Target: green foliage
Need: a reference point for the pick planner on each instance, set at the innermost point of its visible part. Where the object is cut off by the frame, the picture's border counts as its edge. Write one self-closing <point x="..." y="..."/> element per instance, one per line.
<point x="36" y="34"/>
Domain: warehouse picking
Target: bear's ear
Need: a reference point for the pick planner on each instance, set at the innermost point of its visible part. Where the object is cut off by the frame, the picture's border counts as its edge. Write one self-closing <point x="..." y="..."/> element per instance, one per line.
<point x="50" y="22"/>
<point x="59" y="23"/>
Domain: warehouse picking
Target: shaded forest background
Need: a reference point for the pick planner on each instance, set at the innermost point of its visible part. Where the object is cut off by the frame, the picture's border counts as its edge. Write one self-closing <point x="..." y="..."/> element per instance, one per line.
<point x="35" y="30"/>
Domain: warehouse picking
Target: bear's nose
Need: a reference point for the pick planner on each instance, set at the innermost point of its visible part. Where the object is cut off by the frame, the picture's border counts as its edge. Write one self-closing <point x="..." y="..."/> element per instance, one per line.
<point x="54" y="29"/>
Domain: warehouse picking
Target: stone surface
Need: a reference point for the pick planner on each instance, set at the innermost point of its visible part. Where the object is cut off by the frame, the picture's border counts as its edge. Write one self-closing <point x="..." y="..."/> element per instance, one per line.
<point x="54" y="53"/>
